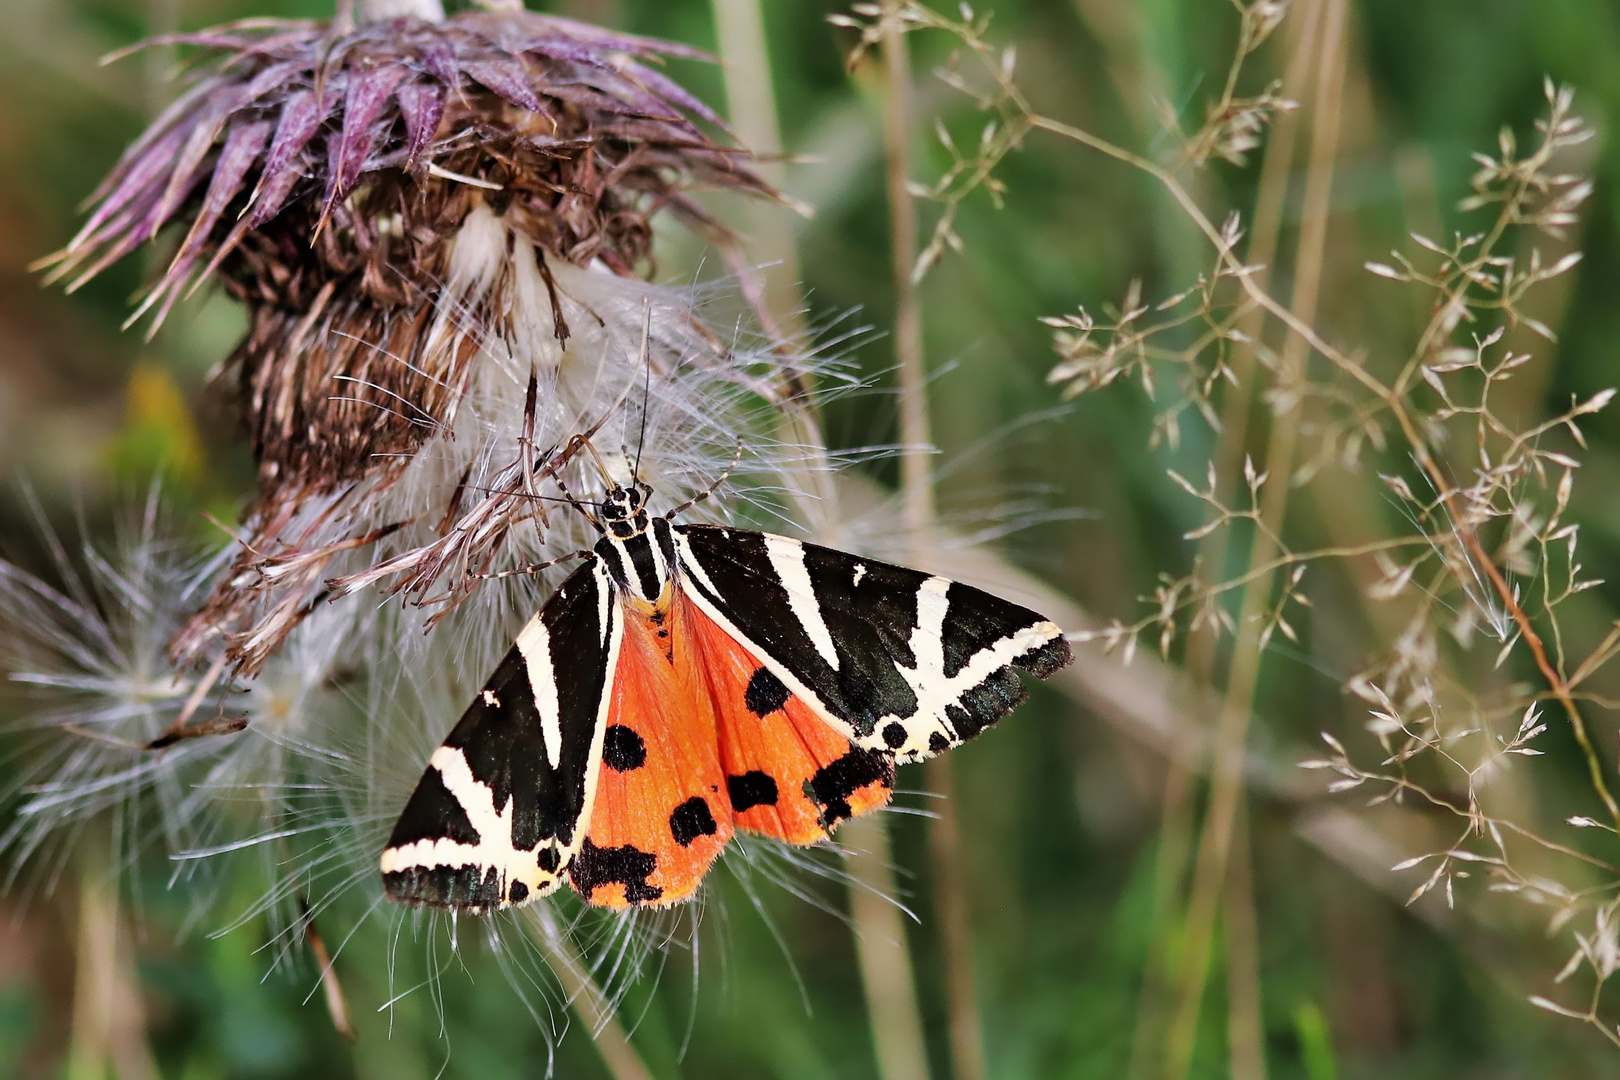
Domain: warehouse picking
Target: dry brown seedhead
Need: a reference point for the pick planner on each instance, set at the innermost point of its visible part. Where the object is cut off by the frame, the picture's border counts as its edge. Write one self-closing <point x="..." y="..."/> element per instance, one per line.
<point x="328" y="175"/>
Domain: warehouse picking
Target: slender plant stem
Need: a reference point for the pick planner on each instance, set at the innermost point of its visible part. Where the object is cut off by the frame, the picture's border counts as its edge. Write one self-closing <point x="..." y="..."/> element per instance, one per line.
<point x="1245" y="1025"/>
<point x="108" y="1032"/>
<point x="885" y="956"/>
<point x="594" y="1010"/>
<point x="772" y="252"/>
<point x="965" y="1024"/>
<point x="751" y="109"/>
<point x="1245" y="1018"/>
<point x="886" y="966"/>
<point x="916" y="481"/>
<point x="1215" y="845"/>
<point x="1170" y="866"/>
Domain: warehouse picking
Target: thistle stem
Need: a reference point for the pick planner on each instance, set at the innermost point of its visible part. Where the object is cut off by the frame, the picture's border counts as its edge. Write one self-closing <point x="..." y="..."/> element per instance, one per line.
<point x="965" y="1026"/>
<point x="596" y="1013"/>
<point x="108" y="1030"/>
<point x="751" y="108"/>
<point x="378" y="10"/>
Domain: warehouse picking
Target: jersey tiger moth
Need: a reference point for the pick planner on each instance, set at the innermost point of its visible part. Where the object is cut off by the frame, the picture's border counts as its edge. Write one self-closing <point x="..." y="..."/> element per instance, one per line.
<point x="689" y="680"/>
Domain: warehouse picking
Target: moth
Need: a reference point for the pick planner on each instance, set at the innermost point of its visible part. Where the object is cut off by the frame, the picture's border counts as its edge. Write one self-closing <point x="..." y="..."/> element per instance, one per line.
<point x="690" y="680"/>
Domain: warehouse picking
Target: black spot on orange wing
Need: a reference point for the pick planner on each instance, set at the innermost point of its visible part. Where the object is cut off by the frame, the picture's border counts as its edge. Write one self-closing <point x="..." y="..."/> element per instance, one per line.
<point x="623" y="749"/>
<point x="765" y="693"/>
<point x="833" y="785"/>
<point x="660" y="808"/>
<point x="751" y="789"/>
<point x="771" y="743"/>
<point x="690" y="820"/>
<point x="598" y="868"/>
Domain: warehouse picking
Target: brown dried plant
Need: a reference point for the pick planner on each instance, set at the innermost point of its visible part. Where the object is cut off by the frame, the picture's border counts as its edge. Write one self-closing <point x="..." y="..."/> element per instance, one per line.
<point x="403" y="205"/>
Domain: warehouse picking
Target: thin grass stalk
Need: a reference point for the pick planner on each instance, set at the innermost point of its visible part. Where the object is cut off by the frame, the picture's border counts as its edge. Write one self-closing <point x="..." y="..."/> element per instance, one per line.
<point x="377" y="10"/>
<point x="886" y="965"/>
<point x="916" y="479"/>
<point x="1245" y="1016"/>
<point x="108" y="1032"/>
<point x="965" y="1036"/>
<point x="1169" y="867"/>
<point x="1215" y="845"/>
<point x="965" y="1023"/>
<point x="883" y="953"/>
<point x="596" y="1013"/>
<point x="1177" y="804"/>
<point x="751" y="109"/>
<point x="1245" y="1019"/>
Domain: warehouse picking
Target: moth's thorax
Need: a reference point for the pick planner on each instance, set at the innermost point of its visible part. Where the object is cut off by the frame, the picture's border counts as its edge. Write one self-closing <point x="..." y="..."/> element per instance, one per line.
<point x="641" y="564"/>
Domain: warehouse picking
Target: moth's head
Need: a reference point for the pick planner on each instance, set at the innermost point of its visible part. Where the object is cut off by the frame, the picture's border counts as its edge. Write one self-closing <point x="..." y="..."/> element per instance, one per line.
<point x="623" y="511"/>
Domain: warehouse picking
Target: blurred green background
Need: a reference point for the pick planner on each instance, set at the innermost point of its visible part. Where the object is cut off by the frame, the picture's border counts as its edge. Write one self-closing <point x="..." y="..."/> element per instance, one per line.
<point x="1059" y="807"/>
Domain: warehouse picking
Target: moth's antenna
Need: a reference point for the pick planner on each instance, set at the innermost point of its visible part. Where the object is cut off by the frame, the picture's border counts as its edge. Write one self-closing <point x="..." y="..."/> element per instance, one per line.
<point x="646" y="389"/>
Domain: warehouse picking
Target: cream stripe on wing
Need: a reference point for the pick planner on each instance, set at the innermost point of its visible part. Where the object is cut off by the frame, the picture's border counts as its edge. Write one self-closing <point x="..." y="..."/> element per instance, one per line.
<point x="534" y="642"/>
<point x="690" y="565"/>
<point x="494" y="828"/>
<point x="787" y="559"/>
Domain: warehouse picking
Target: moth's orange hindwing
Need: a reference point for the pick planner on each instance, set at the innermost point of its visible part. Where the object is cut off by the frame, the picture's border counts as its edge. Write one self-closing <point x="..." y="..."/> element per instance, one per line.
<point x="661" y="814"/>
<point x="789" y="774"/>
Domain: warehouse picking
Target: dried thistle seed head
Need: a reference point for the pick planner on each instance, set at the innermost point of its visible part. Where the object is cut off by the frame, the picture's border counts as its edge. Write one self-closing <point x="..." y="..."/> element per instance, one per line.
<point x="325" y="174"/>
<point x="403" y="206"/>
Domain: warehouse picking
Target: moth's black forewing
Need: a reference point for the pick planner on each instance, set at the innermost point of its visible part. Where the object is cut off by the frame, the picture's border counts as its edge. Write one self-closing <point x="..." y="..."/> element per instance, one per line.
<point x="979" y="619"/>
<point x="503" y="744"/>
<point x="869" y="623"/>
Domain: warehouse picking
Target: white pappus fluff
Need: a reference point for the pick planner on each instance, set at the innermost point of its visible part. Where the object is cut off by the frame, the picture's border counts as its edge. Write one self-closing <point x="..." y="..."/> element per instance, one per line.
<point x="373" y="632"/>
